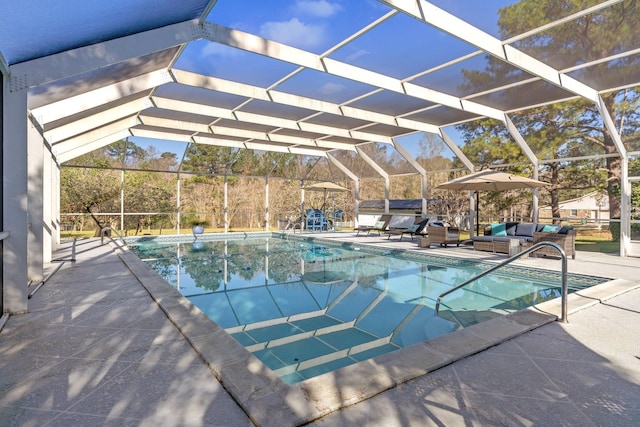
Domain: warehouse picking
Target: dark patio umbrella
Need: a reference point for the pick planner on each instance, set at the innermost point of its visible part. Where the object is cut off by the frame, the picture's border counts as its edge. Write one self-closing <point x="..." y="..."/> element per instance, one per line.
<point x="490" y="180"/>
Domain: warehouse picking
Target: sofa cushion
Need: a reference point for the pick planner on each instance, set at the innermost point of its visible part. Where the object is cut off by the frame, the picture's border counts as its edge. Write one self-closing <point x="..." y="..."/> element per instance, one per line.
<point x="525" y="229"/>
<point x="549" y="228"/>
<point x="413" y="228"/>
<point x="511" y="228"/>
<point x="565" y="229"/>
<point x="483" y="238"/>
<point x="499" y="229"/>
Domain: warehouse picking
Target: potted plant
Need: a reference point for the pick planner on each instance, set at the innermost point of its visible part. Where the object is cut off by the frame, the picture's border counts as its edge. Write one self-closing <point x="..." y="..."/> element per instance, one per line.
<point x="198" y="225"/>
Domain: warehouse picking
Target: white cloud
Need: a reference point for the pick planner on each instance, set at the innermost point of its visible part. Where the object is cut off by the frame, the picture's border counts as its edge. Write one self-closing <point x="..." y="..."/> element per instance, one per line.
<point x="294" y="33"/>
<point x="216" y="49"/>
<point x="318" y="8"/>
<point x="331" y="88"/>
<point x="356" y="55"/>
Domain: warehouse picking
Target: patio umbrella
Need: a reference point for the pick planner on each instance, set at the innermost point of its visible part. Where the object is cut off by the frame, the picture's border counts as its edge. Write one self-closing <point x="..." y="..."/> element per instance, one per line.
<point x="490" y="180"/>
<point x="325" y="187"/>
<point x="323" y="277"/>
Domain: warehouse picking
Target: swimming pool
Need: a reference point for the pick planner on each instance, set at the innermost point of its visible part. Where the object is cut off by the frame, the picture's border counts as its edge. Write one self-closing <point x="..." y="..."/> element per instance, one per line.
<point x="305" y="306"/>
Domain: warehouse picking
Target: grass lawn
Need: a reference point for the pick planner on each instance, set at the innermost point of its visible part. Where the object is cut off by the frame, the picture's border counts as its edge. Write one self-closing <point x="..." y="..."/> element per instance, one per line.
<point x="596" y="241"/>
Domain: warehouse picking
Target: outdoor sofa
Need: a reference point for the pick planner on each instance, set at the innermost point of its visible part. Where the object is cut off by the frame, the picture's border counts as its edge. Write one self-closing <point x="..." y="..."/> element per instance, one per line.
<point x="511" y="237"/>
<point x="565" y="237"/>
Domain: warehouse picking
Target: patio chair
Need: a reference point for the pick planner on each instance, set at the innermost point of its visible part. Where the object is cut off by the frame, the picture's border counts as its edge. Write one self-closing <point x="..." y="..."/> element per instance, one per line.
<point x="401" y="225"/>
<point x="337" y="220"/>
<point x="379" y="226"/>
<point x="316" y="221"/>
<point x="293" y="225"/>
<point x="443" y="235"/>
<point x="419" y="228"/>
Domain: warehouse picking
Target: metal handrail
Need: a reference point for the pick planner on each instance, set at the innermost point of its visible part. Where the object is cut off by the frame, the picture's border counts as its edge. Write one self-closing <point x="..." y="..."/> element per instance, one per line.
<point x="106" y="230"/>
<point x="565" y="287"/>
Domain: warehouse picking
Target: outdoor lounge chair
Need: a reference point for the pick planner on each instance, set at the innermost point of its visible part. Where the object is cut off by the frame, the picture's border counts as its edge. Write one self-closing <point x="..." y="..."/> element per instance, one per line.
<point x="399" y="224"/>
<point x="443" y="235"/>
<point x="419" y="228"/>
<point x="379" y="226"/>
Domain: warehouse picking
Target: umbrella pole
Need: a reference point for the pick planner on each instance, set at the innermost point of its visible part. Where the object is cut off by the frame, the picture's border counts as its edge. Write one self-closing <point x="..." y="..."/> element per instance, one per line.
<point x="324" y="203"/>
<point x="477" y="214"/>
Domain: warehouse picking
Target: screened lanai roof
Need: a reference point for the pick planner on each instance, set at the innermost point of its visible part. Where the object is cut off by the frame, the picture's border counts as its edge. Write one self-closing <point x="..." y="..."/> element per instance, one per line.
<point x="324" y="79"/>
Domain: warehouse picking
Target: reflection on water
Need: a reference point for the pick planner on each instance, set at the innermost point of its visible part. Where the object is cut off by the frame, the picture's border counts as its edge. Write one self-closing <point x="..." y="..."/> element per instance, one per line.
<point x="306" y="308"/>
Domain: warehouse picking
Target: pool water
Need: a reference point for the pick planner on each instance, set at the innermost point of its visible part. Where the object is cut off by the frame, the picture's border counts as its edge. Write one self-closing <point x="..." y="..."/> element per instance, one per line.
<point x="305" y="307"/>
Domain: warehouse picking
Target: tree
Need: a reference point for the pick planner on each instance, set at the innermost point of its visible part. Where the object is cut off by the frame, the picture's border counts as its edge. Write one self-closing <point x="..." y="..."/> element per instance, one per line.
<point x="570" y="128"/>
<point x="89" y="189"/>
<point x="125" y="153"/>
<point x="148" y="192"/>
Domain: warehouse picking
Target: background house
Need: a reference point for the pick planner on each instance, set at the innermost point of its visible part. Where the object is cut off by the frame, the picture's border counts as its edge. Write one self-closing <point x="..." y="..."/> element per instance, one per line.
<point x="591" y="207"/>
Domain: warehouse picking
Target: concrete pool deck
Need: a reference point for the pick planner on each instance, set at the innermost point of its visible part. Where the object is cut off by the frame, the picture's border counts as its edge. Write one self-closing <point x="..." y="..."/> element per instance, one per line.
<point x="106" y="343"/>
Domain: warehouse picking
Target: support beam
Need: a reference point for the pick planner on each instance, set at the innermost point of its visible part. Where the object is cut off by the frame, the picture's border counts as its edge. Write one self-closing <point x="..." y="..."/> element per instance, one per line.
<point x="99" y="97"/>
<point x="456" y="150"/>
<point x="4" y="67"/>
<point x="89" y="138"/>
<point x="55" y="205"/>
<point x="307" y="152"/>
<point x="240" y="89"/>
<point x="86" y="124"/>
<point x="14" y="199"/>
<point x="625" y="185"/>
<point x="48" y="213"/>
<point x="448" y="23"/>
<point x="625" y="209"/>
<point x="251" y="43"/>
<point x="84" y="59"/>
<point x="513" y="130"/>
<point x="302" y="207"/>
<point x="422" y="171"/>
<point x="472" y="196"/>
<point x="266" y="203"/>
<point x="71" y="152"/>
<point x="356" y="181"/>
<point x="226" y="204"/>
<point x="381" y="172"/>
<point x="35" y="209"/>
<point x="178" y="203"/>
<point x="122" y="200"/>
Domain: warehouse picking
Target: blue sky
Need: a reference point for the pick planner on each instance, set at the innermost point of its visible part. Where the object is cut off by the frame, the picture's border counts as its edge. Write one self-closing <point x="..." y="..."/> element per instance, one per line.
<point x="316" y="26"/>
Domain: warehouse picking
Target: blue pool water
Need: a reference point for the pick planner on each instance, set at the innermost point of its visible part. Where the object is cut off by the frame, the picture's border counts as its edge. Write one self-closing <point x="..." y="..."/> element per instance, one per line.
<point x="305" y="307"/>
